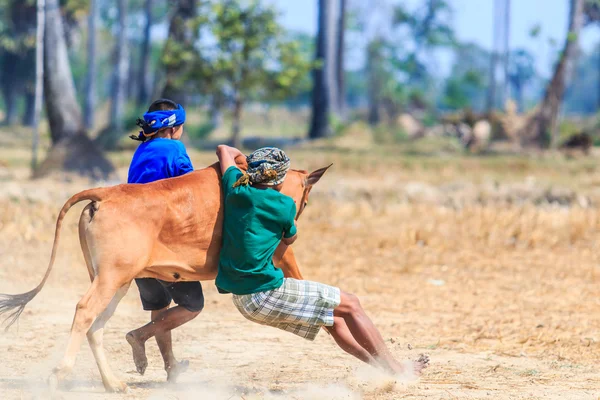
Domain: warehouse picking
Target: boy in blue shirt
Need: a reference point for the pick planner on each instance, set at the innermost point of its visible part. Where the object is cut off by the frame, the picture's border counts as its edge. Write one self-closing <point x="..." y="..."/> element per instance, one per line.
<point x="257" y="217"/>
<point x="161" y="155"/>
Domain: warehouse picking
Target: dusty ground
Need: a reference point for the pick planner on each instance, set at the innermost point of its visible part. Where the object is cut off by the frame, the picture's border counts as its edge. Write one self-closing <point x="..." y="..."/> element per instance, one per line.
<point x="487" y="266"/>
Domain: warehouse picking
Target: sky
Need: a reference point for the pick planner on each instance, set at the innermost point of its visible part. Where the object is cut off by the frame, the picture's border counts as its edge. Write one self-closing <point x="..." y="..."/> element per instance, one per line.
<point x="473" y="22"/>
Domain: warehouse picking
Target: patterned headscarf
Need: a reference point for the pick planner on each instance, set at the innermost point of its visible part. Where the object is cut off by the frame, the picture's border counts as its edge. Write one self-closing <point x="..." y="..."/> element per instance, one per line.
<point x="266" y="166"/>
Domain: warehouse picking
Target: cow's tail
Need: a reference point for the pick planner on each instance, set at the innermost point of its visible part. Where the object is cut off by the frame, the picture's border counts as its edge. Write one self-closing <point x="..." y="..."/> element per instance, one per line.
<point x="12" y="305"/>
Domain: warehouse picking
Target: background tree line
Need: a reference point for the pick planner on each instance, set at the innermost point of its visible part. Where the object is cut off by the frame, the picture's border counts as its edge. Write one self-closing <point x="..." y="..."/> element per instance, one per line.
<point x="222" y="55"/>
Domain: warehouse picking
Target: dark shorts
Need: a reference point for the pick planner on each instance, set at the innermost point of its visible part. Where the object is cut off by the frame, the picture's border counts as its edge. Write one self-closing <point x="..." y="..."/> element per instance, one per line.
<point x="157" y="294"/>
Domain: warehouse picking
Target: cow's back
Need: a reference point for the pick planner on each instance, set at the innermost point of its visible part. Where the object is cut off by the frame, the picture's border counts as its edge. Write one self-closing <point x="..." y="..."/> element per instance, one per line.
<point x="177" y="221"/>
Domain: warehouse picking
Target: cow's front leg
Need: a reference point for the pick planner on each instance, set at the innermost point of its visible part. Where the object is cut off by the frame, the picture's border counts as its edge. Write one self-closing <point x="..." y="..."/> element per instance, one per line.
<point x="285" y="260"/>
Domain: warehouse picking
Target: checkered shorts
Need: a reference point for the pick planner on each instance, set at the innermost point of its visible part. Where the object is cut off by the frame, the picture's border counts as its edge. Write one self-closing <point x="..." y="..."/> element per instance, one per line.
<point x="299" y="307"/>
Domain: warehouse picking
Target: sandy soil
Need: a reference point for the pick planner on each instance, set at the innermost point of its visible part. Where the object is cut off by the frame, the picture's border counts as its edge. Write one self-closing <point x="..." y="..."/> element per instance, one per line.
<point x="505" y="299"/>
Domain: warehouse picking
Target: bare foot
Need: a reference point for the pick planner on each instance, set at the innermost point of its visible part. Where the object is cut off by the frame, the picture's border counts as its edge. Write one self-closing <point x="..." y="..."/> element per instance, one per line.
<point x="173" y="371"/>
<point x="411" y="370"/>
<point x="421" y="364"/>
<point x="138" y="349"/>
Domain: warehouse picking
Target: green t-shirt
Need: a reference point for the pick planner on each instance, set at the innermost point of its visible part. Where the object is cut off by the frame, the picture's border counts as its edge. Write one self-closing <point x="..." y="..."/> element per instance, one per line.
<point x="254" y="222"/>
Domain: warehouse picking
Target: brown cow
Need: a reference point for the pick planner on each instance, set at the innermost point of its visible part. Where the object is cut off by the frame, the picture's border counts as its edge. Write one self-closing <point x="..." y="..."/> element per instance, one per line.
<point x="168" y="229"/>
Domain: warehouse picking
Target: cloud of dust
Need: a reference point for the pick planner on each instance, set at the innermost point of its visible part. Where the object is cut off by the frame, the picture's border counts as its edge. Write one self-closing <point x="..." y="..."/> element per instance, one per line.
<point x="374" y="380"/>
<point x="216" y="392"/>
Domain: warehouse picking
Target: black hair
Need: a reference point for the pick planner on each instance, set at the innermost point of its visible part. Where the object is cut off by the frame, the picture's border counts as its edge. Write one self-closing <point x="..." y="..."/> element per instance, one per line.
<point x="162" y="105"/>
<point x="157" y="105"/>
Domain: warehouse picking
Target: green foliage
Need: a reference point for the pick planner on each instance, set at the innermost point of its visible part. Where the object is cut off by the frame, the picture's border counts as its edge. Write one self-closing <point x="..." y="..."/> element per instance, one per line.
<point x="466" y="86"/>
<point x="581" y="95"/>
<point x="198" y="131"/>
<point x="424" y="29"/>
<point x="535" y="31"/>
<point x="251" y="57"/>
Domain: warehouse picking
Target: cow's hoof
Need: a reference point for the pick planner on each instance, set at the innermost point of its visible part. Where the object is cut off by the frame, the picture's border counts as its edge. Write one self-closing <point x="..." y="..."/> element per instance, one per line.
<point x="116" y="387"/>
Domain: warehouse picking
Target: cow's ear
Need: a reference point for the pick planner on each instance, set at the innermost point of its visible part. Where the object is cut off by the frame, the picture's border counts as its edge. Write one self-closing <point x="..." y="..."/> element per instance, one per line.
<point x="314" y="176"/>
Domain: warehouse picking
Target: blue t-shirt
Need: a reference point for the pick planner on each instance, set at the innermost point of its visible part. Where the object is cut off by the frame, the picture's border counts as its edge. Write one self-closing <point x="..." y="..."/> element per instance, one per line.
<point x="159" y="158"/>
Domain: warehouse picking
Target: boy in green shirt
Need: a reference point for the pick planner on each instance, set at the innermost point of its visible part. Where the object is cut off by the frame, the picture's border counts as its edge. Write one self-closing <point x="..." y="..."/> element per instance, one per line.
<point x="257" y="218"/>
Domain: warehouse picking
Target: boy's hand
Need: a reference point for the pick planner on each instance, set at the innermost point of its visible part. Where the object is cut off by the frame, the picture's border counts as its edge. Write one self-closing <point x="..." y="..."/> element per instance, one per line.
<point x="227" y="155"/>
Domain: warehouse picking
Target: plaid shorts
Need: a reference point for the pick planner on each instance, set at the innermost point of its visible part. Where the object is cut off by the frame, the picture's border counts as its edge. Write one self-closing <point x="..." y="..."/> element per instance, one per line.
<point x="299" y="307"/>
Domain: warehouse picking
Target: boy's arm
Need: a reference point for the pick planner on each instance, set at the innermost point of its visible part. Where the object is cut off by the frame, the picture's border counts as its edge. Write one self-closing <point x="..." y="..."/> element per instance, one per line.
<point x="290" y="233"/>
<point x="289" y="241"/>
<point x="227" y="155"/>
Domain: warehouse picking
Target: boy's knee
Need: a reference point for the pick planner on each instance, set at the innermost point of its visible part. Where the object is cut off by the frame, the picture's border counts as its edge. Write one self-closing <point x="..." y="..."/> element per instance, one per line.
<point x="350" y="304"/>
<point x="195" y="307"/>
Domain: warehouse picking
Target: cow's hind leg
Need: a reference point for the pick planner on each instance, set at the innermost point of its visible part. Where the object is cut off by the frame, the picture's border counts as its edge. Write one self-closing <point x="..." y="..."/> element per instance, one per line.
<point x="95" y="338"/>
<point x="96" y="333"/>
<point x="91" y="304"/>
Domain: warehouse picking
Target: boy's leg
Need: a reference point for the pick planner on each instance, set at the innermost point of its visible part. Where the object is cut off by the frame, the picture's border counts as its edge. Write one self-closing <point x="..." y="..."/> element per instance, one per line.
<point x="163" y="321"/>
<point x="343" y="337"/>
<point x="190" y="300"/>
<point x="367" y="336"/>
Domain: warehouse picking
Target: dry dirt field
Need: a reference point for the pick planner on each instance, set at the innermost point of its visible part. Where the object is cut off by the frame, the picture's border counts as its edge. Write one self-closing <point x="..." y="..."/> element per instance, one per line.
<point x="486" y="264"/>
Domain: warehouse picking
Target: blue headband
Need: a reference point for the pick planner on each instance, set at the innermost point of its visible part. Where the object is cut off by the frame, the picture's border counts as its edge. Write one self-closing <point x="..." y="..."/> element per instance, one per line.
<point x="156" y="120"/>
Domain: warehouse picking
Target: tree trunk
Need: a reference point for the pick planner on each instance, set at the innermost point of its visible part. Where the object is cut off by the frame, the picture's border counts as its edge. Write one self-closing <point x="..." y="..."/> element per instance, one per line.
<point x="39" y="81"/>
<point x="109" y="138"/>
<point x="28" y="117"/>
<point x="541" y="129"/>
<point x="491" y="93"/>
<point x="10" y="93"/>
<point x="131" y="89"/>
<point x="374" y="81"/>
<point x="320" y="98"/>
<point x="90" y="81"/>
<point x="180" y="32"/>
<point x="339" y="61"/>
<point x="330" y="56"/>
<point x="236" y="127"/>
<point x="11" y="112"/>
<point x="518" y="88"/>
<point x="143" y="81"/>
<point x="506" y="55"/>
<point x="216" y="113"/>
<point x="71" y="149"/>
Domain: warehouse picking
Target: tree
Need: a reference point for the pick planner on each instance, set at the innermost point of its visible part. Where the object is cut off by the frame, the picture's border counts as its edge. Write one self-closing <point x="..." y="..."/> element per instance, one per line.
<point x="39" y="80"/>
<point x="339" y="61"/>
<point x="90" y="82"/>
<point x="521" y="70"/>
<point x="579" y="96"/>
<point x="71" y="150"/>
<point x="399" y="53"/>
<point x="425" y="29"/>
<point x="179" y="52"/>
<point x="17" y="32"/>
<point x="542" y="127"/>
<point x="143" y="81"/>
<point x="466" y="86"/>
<point x="251" y="58"/>
<point x="592" y="16"/>
<point x="376" y="75"/>
<point x="109" y="138"/>
<point x="321" y="106"/>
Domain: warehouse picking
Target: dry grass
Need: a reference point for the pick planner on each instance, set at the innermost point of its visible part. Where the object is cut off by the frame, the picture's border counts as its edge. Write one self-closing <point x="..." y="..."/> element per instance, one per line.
<point x="477" y="261"/>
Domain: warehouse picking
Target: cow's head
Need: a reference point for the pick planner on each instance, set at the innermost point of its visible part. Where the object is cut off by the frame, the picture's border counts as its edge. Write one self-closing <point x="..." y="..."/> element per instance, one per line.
<point x="298" y="185"/>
